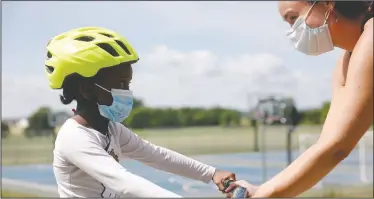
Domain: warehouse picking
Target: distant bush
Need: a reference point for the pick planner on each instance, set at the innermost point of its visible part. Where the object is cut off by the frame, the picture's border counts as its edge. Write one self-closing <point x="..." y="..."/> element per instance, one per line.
<point x="4" y="130"/>
<point x="315" y="116"/>
<point x="39" y="123"/>
<point x="144" y="117"/>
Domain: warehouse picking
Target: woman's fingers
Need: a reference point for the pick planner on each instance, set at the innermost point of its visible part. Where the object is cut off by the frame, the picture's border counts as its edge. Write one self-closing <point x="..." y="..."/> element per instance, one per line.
<point x="251" y="189"/>
<point x="231" y="187"/>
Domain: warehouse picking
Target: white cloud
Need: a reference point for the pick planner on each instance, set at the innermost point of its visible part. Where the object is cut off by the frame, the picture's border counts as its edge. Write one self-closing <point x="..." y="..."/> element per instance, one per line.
<point x="168" y="77"/>
<point x="22" y="94"/>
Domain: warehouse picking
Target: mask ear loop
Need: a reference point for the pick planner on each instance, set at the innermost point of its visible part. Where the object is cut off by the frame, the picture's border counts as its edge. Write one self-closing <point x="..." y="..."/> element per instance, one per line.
<point x="102" y="88"/>
<point x="307" y="14"/>
<point x="327" y="15"/>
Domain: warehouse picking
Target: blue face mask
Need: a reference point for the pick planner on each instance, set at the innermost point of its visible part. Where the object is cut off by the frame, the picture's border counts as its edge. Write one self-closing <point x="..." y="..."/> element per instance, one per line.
<point x="121" y="106"/>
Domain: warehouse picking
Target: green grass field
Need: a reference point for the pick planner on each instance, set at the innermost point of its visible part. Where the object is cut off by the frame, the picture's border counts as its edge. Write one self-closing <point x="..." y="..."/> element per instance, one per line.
<point x="189" y="141"/>
<point x="11" y="194"/>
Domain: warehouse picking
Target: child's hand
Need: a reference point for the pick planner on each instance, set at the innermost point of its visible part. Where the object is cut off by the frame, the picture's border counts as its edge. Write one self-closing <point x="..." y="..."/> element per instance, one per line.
<point x="220" y="176"/>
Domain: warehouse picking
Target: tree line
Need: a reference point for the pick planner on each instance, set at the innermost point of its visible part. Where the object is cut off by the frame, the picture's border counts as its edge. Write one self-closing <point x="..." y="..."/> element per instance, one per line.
<point x="316" y="115"/>
<point x="147" y="117"/>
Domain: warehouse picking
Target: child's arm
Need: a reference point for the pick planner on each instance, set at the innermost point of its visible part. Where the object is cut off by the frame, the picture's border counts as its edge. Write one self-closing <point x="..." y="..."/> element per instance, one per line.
<point x="134" y="147"/>
<point x="83" y="150"/>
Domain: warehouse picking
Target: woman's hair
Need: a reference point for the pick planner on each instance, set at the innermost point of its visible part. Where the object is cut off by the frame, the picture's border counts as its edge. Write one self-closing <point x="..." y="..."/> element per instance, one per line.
<point x="352" y="9"/>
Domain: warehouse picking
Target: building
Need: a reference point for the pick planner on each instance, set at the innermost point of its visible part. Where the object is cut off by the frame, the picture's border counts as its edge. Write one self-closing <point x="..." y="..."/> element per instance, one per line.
<point x="17" y="125"/>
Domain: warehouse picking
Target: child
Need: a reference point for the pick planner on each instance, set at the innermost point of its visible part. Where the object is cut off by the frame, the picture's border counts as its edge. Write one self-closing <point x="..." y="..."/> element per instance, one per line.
<point x="93" y="66"/>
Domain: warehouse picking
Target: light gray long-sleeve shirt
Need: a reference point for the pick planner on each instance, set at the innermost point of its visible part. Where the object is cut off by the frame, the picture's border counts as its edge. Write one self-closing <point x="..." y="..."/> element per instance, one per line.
<point x="86" y="164"/>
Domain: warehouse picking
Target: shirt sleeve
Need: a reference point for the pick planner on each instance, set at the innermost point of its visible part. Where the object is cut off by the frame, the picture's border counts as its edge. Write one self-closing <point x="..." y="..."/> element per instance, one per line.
<point x="84" y="151"/>
<point x="136" y="148"/>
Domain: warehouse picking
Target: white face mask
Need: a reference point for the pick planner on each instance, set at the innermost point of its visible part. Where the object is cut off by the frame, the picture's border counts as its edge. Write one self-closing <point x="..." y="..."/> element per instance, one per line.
<point x="311" y="41"/>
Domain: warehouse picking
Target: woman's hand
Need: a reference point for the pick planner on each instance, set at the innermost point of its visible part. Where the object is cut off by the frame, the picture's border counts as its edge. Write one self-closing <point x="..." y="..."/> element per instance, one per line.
<point x="251" y="189"/>
<point x="220" y="176"/>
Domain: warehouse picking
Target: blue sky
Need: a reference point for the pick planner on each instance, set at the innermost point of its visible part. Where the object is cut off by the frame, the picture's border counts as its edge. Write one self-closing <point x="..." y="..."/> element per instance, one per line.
<point x="191" y="53"/>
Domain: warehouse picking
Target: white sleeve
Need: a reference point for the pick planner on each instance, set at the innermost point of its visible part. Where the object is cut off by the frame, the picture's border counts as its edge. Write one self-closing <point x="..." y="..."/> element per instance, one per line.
<point x="84" y="151"/>
<point x="163" y="159"/>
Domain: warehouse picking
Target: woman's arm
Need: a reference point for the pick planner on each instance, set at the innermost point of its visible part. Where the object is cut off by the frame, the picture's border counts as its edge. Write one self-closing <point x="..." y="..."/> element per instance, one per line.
<point x="349" y="117"/>
<point x="82" y="149"/>
<point x="136" y="148"/>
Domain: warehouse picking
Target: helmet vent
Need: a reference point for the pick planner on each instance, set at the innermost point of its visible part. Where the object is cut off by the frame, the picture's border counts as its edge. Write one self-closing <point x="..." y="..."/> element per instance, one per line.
<point x="123" y="47"/>
<point x="49" y="69"/>
<point x="49" y="55"/>
<point x="107" y="35"/>
<point x="108" y="48"/>
<point x="85" y="38"/>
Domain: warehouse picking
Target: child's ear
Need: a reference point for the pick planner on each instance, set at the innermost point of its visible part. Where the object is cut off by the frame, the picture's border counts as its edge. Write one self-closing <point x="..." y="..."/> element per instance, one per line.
<point x="86" y="89"/>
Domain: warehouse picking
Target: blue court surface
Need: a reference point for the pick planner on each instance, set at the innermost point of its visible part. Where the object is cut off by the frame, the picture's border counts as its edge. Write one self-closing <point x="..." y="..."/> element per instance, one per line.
<point x="247" y="166"/>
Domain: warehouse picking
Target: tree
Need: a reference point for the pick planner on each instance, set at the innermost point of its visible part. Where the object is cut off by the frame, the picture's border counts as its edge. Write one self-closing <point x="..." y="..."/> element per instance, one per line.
<point x="137" y="103"/>
<point x="225" y="119"/>
<point x="39" y="123"/>
<point x="168" y="118"/>
<point x="144" y="117"/>
<point x="324" y="111"/>
<point x="139" y="118"/>
<point x="4" y="130"/>
<point x="185" y="116"/>
<point x="229" y="117"/>
<point x="312" y="116"/>
<point x="200" y="117"/>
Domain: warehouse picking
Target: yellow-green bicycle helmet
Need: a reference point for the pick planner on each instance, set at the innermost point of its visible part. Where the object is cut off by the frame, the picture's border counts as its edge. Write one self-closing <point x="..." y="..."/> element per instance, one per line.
<point x="85" y="51"/>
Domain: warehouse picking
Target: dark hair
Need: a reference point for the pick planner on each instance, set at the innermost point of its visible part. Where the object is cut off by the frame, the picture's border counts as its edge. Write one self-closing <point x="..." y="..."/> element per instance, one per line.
<point x="70" y="89"/>
<point x="352" y="9"/>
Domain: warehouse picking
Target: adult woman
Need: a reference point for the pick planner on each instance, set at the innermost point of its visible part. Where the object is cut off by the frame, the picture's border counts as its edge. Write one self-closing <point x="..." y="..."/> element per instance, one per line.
<point x="318" y="27"/>
<point x="93" y="66"/>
